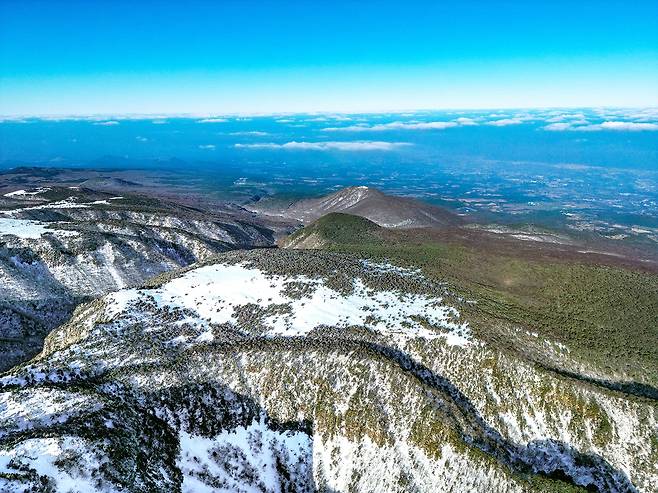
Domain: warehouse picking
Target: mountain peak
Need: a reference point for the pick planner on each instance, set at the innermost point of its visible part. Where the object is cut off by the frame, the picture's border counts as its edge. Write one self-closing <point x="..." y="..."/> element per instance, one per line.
<point x="386" y="210"/>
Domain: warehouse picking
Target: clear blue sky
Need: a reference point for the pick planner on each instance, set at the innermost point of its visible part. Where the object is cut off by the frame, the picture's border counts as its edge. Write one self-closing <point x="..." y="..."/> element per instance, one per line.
<point x="81" y="57"/>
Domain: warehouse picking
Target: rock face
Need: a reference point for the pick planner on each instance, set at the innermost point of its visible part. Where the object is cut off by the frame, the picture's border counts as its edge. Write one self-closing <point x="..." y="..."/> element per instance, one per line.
<point x="385" y="210"/>
<point x="286" y="370"/>
<point x="61" y="246"/>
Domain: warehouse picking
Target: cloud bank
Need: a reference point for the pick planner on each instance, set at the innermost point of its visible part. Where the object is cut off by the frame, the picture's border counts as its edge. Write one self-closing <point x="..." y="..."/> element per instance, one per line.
<point x="360" y="145"/>
<point x="505" y="122"/>
<point x="107" y="123"/>
<point x="608" y="125"/>
<point x="212" y="120"/>
<point x="381" y="127"/>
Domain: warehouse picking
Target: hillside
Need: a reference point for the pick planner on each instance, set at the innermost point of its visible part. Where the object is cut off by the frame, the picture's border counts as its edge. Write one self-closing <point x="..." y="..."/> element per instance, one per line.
<point x="385" y="210"/>
<point x="286" y="370"/>
<point x="333" y="228"/>
<point x="525" y="293"/>
<point x="60" y="246"/>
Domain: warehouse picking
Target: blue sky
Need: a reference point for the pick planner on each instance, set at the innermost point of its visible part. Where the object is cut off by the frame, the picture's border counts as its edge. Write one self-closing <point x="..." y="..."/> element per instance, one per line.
<point x="68" y="57"/>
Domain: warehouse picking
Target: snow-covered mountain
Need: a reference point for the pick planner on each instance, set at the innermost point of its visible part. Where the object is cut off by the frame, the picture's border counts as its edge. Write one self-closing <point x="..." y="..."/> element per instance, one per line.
<point x="386" y="210"/>
<point x="286" y="370"/>
<point x="60" y="246"/>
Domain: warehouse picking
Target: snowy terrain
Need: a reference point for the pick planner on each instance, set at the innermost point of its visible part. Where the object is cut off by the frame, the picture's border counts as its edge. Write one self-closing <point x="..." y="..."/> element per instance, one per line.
<point x="25" y="228"/>
<point x="214" y="293"/>
<point x="62" y="245"/>
<point x="247" y="458"/>
<point x="229" y="381"/>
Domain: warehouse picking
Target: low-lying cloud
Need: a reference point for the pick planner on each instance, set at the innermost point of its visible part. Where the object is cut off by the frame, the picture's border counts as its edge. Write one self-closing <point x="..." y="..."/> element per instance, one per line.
<point x="381" y="127"/>
<point x="505" y="122"/>
<point x="466" y="121"/>
<point x="254" y="133"/>
<point x="632" y="126"/>
<point x="360" y="145"/>
<point x="108" y="123"/>
<point x="212" y="120"/>
<point x="608" y="125"/>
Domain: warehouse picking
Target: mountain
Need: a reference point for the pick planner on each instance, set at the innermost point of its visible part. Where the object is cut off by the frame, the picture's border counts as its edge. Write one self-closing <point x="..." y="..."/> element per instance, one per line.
<point x="385" y="210"/>
<point x="110" y="183"/>
<point x="288" y="370"/>
<point x="526" y="292"/>
<point x="333" y="228"/>
<point x="63" y="245"/>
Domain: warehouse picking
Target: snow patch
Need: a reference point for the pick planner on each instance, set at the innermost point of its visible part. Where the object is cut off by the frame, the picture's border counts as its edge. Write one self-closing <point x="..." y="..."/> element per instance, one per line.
<point x="29" y="229"/>
<point x="246" y="459"/>
<point x="23" y="193"/>
<point x="214" y="293"/>
<point x="41" y="454"/>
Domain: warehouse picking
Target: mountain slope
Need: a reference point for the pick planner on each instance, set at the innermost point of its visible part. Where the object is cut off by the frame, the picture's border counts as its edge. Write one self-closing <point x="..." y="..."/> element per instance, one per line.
<point x="524" y="295"/>
<point x="299" y="370"/>
<point x="386" y="210"/>
<point x="60" y="246"/>
<point x="333" y="228"/>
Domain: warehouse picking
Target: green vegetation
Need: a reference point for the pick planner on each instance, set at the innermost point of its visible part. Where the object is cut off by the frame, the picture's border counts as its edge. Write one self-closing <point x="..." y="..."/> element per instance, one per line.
<point x="339" y="228"/>
<point x="606" y="316"/>
<point x="552" y="485"/>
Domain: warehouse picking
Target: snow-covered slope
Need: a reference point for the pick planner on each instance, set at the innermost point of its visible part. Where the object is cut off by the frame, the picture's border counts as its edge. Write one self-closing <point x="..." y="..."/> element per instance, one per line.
<point x="59" y="246"/>
<point x="300" y="371"/>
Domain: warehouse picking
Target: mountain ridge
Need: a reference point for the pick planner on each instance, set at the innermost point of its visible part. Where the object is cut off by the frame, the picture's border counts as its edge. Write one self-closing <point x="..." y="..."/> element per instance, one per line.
<point x="373" y="204"/>
<point x="60" y="246"/>
<point x="234" y="347"/>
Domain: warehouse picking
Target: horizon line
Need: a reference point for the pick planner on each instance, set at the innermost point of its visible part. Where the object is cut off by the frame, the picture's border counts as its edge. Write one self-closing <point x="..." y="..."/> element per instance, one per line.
<point x="138" y="115"/>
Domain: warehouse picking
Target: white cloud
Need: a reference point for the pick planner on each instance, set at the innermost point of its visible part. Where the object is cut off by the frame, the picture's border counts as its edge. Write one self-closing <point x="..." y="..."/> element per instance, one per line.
<point x="642" y="115"/>
<point x="359" y="127"/>
<point x="633" y="126"/>
<point x="608" y="125"/>
<point x="159" y="122"/>
<point x="210" y="147"/>
<point x="13" y="119"/>
<point x="466" y="121"/>
<point x="141" y="139"/>
<point x="212" y="120"/>
<point x="362" y="127"/>
<point x="505" y="122"/>
<point x="575" y="117"/>
<point x="557" y="127"/>
<point x="255" y="133"/>
<point x="360" y="145"/>
<point x="107" y="123"/>
<point x="422" y="125"/>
